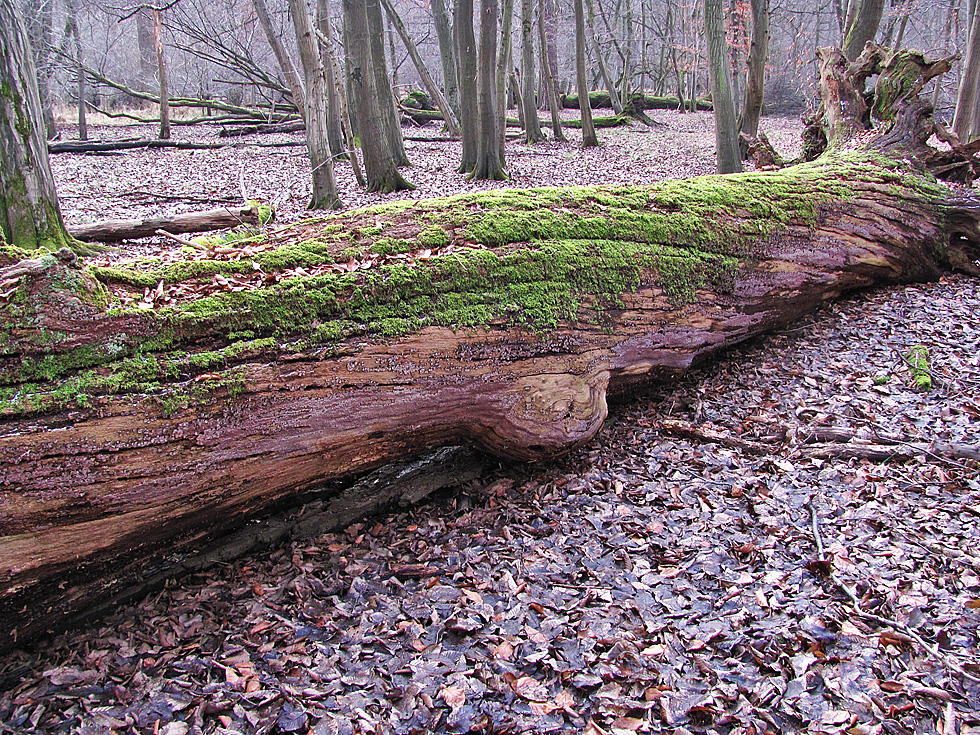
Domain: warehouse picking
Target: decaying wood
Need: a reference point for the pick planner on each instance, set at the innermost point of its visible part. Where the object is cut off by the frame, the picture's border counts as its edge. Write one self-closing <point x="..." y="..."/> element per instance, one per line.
<point x="826" y="443"/>
<point x="129" y="435"/>
<point x="293" y="126"/>
<point x="117" y="230"/>
<point x="94" y="146"/>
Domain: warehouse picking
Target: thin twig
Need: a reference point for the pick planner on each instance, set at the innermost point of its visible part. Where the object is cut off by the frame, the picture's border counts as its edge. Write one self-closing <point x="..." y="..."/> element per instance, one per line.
<point x="181" y="240"/>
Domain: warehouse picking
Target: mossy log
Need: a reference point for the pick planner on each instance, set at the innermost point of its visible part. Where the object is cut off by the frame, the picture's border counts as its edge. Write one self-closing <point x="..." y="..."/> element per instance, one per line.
<point x="600" y="99"/>
<point x="421" y="117"/>
<point x="147" y="410"/>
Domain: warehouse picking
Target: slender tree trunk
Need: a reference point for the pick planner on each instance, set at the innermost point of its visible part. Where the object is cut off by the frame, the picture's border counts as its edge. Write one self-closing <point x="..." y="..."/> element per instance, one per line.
<point x="71" y="30"/>
<point x="347" y="130"/>
<point x="614" y="100"/>
<point x="549" y="81"/>
<point x="39" y="24"/>
<point x="325" y="194"/>
<point x="505" y="75"/>
<point x="588" y="129"/>
<point x="430" y="86"/>
<point x="161" y="76"/>
<point x="147" y="48"/>
<point x="532" y="128"/>
<point x="380" y="166"/>
<point x="447" y="53"/>
<point x="394" y="60"/>
<point x="293" y="81"/>
<point x="466" y="59"/>
<point x="756" y="75"/>
<point x="488" y="153"/>
<point x="626" y="79"/>
<point x="951" y="9"/>
<point x="966" y="122"/>
<point x="29" y="214"/>
<point x="864" y="16"/>
<point x="726" y="130"/>
<point x="391" y="123"/>
<point x="335" y="113"/>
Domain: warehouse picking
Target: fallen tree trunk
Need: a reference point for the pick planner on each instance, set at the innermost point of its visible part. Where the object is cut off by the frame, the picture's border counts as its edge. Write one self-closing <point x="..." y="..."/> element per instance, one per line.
<point x="96" y="146"/>
<point x="502" y="319"/>
<point x="421" y="117"/>
<point x="636" y="100"/>
<point x="293" y="126"/>
<point x="117" y="230"/>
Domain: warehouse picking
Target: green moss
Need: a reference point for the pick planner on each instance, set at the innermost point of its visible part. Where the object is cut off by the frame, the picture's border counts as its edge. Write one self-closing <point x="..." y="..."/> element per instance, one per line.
<point x="432" y="237"/>
<point x="553" y="256"/>
<point x="918" y="360"/>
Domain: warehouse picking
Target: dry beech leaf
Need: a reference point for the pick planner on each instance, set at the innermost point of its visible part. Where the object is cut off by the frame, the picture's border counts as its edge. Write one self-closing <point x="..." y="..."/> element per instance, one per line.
<point x="453" y="696"/>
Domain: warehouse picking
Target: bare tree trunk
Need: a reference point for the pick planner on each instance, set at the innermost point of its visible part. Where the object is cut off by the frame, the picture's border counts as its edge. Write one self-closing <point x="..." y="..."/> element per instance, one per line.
<point x="466" y="59"/>
<point x="325" y="194"/>
<point x="588" y="129"/>
<point x="726" y="128"/>
<point x="550" y="31"/>
<point x="39" y="25"/>
<point x="435" y="93"/>
<point x="335" y="107"/>
<point x="296" y="88"/>
<point x="489" y="154"/>
<point x="390" y="121"/>
<point x="505" y="78"/>
<point x="549" y="81"/>
<point x="346" y="127"/>
<point x="756" y="76"/>
<point x="966" y="122"/>
<point x="863" y="19"/>
<point x="147" y="48"/>
<point x="162" y="76"/>
<point x="615" y="101"/>
<point x="681" y="106"/>
<point x="532" y="128"/>
<point x="380" y="166"/>
<point x="71" y="29"/>
<point x="30" y="217"/>
<point x="447" y="53"/>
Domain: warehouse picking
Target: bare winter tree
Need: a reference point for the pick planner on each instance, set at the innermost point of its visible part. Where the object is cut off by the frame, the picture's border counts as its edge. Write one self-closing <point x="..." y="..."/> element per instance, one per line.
<point x="489" y="154"/>
<point x="584" y="104"/>
<point x="286" y="66"/>
<point x="380" y="166"/>
<point x="465" y="43"/>
<point x="30" y="217"/>
<point x="726" y="130"/>
<point x="532" y="128"/>
<point x="966" y="123"/>
<point x="447" y="52"/>
<point x="756" y="73"/>
<point x="316" y="103"/>
<point x="863" y="18"/>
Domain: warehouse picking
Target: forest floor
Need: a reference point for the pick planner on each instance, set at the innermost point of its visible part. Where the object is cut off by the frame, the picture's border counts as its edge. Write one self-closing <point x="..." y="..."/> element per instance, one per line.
<point x="647" y="582"/>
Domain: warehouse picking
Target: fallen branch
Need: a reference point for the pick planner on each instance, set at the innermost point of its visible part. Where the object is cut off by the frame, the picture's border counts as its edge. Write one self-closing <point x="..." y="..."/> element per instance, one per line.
<point x="289" y="126"/>
<point x="688" y="430"/>
<point x="834" y="444"/>
<point x="122" y="145"/>
<point x="904" y="630"/>
<point x="117" y="230"/>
